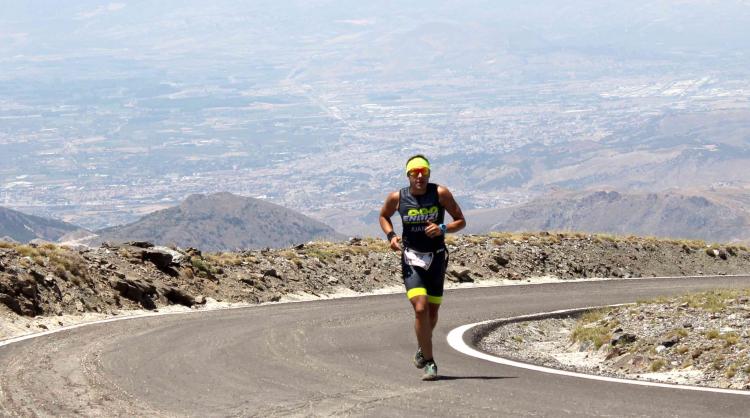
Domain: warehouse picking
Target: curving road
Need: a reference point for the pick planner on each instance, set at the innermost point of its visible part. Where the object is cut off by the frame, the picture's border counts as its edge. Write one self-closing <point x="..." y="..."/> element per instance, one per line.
<point x="336" y="357"/>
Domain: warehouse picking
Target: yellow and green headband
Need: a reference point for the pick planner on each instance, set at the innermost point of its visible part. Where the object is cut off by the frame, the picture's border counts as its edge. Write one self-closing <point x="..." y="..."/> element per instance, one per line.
<point x="418" y="162"/>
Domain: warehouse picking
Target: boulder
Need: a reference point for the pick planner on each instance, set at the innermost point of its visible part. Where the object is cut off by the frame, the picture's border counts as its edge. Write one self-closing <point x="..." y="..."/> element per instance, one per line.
<point x="622" y="339"/>
<point x="177" y="257"/>
<point x="20" y="294"/>
<point x="161" y="259"/>
<point x="139" y="244"/>
<point x="670" y="341"/>
<point x="136" y="290"/>
<point x="501" y="260"/>
<point x="271" y="272"/>
<point x="462" y="275"/>
<point x="178" y="296"/>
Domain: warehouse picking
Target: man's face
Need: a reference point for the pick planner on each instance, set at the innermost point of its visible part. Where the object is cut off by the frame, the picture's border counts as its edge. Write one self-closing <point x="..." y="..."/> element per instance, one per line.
<point x="418" y="178"/>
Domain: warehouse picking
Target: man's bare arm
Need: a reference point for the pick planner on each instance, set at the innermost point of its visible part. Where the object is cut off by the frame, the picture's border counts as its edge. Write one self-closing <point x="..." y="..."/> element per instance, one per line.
<point x="451" y="206"/>
<point x="389" y="208"/>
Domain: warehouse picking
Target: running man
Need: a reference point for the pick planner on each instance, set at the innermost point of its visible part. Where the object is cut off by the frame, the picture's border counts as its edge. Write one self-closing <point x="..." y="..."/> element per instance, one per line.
<point x="424" y="258"/>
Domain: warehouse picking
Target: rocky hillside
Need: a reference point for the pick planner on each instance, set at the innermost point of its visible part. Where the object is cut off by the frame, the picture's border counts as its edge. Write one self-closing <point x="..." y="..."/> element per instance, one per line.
<point x="21" y="227"/>
<point x="222" y="222"/>
<point x="50" y="280"/>
<point x="646" y="214"/>
<point x="698" y="339"/>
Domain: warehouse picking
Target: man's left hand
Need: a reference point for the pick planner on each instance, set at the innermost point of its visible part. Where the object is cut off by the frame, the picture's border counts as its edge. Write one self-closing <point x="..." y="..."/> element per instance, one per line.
<point x="432" y="230"/>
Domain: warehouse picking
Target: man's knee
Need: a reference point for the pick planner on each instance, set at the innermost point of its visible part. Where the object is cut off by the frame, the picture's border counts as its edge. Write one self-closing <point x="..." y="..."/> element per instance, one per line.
<point x="421" y="307"/>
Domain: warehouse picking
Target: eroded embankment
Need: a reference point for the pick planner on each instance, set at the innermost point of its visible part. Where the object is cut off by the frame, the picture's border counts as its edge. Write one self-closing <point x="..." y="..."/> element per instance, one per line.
<point x="700" y="339"/>
<point x="48" y="283"/>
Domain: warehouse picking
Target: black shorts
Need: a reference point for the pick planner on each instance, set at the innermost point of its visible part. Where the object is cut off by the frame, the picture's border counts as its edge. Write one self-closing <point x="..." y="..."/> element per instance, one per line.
<point x="419" y="281"/>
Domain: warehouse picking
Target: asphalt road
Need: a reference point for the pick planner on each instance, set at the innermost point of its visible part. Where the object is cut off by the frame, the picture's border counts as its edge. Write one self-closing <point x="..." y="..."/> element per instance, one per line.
<point x="335" y="357"/>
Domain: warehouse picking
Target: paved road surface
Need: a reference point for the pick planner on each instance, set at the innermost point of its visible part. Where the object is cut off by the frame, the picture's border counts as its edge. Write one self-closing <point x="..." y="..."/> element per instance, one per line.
<point x="336" y="357"/>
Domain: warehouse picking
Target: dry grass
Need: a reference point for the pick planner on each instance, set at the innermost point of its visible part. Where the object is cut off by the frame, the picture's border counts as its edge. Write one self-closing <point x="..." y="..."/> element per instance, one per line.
<point x="65" y="263"/>
<point x="292" y="257"/>
<point x="718" y="362"/>
<point x="597" y="335"/>
<point x="331" y="250"/>
<point x="650" y="242"/>
<point x="712" y="334"/>
<point x="288" y="254"/>
<point x="715" y="300"/>
<point x="592" y="316"/>
<point x="678" y="332"/>
<point x="657" y="365"/>
<point x="655" y="301"/>
<point x="475" y="239"/>
<point x="693" y="244"/>
<point x="735" y="249"/>
<point x="500" y="238"/>
<point x="730" y="338"/>
<point x="323" y="251"/>
<point x="225" y="259"/>
<point x="4" y="244"/>
<point x="593" y="327"/>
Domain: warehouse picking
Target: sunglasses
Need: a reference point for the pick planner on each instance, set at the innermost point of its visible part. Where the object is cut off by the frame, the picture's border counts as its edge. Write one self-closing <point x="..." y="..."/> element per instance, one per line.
<point x="424" y="171"/>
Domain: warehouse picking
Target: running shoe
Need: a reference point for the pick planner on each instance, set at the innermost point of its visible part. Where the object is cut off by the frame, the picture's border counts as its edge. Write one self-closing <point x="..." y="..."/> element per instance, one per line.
<point x="430" y="371"/>
<point x="419" y="361"/>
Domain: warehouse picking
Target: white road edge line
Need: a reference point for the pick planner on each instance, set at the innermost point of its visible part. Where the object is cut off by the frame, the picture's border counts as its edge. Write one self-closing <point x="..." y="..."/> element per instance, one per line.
<point x="456" y="341"/>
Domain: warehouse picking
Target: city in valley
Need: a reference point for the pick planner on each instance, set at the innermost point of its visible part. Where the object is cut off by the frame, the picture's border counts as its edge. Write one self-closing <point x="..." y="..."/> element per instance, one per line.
<point x="99" y="135"/>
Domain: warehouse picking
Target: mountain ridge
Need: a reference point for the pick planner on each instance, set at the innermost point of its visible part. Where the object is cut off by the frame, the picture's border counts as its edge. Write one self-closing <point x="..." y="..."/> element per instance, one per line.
<point x="671" y="214"/>
<point x="23" y="227"/>
<point x="220" y="222"/>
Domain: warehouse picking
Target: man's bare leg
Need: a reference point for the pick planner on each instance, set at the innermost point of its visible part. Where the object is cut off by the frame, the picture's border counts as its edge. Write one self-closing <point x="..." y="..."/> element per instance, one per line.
<point x="433" y="314"/>
<point x="423" y="324"/>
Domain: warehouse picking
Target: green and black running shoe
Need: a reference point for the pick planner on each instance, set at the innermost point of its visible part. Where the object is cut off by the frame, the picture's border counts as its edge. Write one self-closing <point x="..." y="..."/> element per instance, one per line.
<point x="419" y="361"/>
<point x="430" y="371"/>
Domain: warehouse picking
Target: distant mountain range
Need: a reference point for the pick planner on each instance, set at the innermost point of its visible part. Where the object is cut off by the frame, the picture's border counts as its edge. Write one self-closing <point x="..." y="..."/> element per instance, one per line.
<point x="225" y="222"/>
<point x="222" y="222"/>
<point x="648" y="214"/>
<point x="215" y="222"/>
<point x="24" y="228"/>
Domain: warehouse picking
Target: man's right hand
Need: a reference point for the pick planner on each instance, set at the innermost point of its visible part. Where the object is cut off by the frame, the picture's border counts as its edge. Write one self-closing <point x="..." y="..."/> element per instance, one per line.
<point x="395" y="243"/>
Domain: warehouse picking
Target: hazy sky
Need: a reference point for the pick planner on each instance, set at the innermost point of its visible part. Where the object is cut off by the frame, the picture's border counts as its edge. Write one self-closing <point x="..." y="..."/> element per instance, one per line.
<point x="168" y="29"/>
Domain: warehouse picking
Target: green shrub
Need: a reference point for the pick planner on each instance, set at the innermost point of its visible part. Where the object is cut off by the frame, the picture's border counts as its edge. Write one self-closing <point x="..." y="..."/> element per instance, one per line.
<point x="202" y="267"/>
